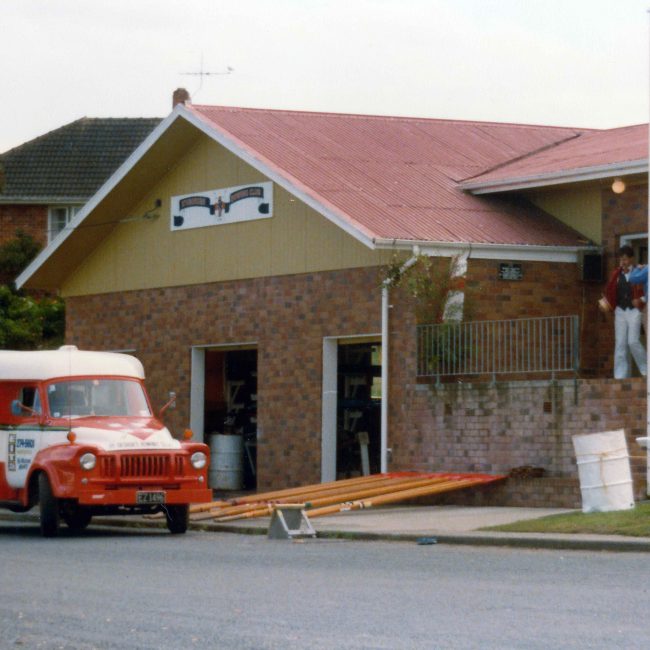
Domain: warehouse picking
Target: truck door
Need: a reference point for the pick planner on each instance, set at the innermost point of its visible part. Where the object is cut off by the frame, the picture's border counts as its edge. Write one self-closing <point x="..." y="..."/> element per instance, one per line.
<point x="23" y="439"/>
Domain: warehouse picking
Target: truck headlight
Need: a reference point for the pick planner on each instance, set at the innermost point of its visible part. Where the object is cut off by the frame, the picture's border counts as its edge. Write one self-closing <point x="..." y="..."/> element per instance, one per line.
<point x="88" y="461"/>
<point x="198" y="460"/>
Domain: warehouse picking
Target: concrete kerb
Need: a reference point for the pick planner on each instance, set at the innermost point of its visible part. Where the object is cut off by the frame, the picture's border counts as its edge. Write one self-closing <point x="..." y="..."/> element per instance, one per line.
<point x="578" y="542"/>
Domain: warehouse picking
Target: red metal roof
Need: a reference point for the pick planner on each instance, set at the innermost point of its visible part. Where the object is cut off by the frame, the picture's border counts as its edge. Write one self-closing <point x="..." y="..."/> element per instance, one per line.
<point x="395" y="177"/>
<point x="592" y="151"/>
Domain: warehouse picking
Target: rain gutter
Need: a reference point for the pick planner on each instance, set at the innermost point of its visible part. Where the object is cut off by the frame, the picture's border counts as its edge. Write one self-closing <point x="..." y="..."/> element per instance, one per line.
<point x="514" y="252"/>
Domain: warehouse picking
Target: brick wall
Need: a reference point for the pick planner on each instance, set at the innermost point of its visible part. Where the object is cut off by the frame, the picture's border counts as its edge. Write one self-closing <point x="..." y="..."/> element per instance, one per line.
<point x="494" y="428"/>
<point x="287" y="317"/>
<point x="31" y="219"/>
<point x="545" y="290"/>
<point x="623" y="214"/>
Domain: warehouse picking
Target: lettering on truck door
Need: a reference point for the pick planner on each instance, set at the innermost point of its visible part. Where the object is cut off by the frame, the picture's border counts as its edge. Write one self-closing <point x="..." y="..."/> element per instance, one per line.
<point x="23" y="439"/>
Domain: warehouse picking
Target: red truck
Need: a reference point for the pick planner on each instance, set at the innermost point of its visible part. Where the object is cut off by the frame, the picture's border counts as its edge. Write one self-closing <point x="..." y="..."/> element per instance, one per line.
<point x="78" y="437"/>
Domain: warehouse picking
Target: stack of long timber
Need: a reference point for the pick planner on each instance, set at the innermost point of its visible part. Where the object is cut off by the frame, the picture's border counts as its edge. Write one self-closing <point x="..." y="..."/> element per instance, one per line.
<point x="338" y="496"/>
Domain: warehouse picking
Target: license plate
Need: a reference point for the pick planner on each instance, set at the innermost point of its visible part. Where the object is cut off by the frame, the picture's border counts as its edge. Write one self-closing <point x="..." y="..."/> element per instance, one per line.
<point x="150" y="497"/>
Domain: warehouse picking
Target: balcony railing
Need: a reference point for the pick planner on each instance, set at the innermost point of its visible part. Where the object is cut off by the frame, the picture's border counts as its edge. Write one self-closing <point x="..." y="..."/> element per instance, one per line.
<point x="507" y="347"/>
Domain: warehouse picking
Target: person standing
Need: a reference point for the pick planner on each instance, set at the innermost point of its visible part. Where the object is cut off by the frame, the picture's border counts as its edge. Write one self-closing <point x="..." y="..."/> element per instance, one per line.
<point x="626" y="299"/>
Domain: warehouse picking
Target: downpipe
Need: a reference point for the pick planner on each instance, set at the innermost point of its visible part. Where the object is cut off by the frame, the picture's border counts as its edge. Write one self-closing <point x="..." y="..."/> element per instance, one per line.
<point x="385" y="342"/>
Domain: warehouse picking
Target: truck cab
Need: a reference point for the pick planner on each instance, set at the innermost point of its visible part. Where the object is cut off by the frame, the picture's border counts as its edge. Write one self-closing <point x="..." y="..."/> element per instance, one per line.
<point x="78" y="438"/>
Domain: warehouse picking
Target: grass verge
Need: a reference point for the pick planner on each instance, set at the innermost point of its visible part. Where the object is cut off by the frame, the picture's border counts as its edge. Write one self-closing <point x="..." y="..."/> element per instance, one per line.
<point x="632" y="523"/>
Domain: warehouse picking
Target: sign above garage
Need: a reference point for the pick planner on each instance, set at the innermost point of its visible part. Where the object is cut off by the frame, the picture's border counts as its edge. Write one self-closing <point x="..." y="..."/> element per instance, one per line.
<point x="222" y="206"/>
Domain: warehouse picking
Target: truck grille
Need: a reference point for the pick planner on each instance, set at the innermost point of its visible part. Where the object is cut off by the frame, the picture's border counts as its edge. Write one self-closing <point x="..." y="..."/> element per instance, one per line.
<point x="141" y="466"/>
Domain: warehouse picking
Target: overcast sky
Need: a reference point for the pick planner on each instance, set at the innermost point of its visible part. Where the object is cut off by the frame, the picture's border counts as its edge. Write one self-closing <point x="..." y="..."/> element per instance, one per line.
<point x="565" y="62"/>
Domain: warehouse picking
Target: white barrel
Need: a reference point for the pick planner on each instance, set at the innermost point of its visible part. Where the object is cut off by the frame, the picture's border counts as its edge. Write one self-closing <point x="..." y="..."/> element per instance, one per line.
<point x="604" y="471"/>
<point x="226" y="462"/>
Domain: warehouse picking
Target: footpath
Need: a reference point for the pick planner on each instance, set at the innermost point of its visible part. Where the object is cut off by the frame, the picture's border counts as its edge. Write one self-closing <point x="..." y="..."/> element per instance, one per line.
<point x="415" y="524"/>
<point x="443" y="525"/>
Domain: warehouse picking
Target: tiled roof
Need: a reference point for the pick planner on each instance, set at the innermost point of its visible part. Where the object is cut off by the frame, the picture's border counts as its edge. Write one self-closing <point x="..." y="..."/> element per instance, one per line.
<point x="71" y="162"/>
<point x="394" y="178"/>
<point x="590" y="154"/>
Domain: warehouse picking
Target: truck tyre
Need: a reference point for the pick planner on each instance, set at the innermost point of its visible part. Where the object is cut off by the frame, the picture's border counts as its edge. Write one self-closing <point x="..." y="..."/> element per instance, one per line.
<point x="178" y="518"/>
<point x="49" y="507"/>
<point x="77" y="518"/>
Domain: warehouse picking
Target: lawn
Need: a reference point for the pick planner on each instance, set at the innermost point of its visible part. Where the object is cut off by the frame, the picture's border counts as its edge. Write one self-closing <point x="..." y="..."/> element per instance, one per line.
<point x="633" y="523"/>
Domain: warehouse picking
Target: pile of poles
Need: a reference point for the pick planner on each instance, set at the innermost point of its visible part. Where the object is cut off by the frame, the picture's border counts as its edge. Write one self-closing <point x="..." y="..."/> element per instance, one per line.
<point x="339" y="496"/>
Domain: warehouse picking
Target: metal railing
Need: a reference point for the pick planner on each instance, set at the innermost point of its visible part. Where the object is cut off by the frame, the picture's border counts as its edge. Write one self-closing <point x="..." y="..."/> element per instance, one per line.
<point x="527" y="345"/>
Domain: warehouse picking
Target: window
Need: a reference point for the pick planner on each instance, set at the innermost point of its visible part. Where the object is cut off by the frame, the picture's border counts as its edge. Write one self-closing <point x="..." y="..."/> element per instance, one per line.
<point x="639" y="243"/>
<point x="82" y="397"/>
<point x="28" y="402"/>
<point x="58" y="218"/>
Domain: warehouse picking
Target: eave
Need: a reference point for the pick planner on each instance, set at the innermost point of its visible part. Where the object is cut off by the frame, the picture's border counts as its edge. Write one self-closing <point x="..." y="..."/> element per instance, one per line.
<point x="579" y="175"/>
<point x="113" y="201"/>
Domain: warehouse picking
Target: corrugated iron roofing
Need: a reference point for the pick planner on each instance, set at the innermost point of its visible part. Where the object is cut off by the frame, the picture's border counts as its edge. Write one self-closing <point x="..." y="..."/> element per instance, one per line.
<point x="587" y="150"/>
<point x="395" y="177"/>
<point x="72" y="161"/>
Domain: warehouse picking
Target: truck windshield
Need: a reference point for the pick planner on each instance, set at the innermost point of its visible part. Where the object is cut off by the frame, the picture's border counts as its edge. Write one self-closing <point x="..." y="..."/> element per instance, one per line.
<point x="83" y="397"/>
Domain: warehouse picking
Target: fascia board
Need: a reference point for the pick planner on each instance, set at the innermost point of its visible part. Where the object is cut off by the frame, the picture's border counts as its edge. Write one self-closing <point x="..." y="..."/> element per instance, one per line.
<point x="517" y="253"/>
<point x="98" y="197"/>
<point x="289" y="183"/>
<point x="556" y="178"/>
<point x="42" y="200"/>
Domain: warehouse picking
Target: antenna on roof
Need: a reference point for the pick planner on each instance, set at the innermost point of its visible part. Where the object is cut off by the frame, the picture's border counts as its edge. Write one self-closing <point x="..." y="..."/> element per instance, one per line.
<point x="204" y="73"/>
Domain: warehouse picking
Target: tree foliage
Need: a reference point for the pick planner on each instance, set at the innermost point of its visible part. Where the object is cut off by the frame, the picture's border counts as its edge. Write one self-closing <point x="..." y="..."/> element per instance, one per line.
<point x="26" y="322"/>
<point x="16" y="254"/>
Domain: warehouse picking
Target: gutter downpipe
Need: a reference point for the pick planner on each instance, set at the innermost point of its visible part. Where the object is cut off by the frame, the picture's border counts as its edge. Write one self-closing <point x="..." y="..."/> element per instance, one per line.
<point x="385" y="307"/>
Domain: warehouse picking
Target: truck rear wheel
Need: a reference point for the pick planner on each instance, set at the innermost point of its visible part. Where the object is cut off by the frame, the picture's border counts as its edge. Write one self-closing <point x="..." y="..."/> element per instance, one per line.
<point x="178" y="518"/>
<point x="49" y="507"/>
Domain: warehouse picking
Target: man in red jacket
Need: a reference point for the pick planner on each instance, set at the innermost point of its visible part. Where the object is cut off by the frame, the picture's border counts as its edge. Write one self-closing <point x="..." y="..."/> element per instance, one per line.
<point x="627" y="301"/>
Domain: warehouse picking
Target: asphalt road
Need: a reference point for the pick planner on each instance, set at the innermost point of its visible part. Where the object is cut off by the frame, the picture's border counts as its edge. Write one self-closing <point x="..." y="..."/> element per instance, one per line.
<point x="121" y="588"/>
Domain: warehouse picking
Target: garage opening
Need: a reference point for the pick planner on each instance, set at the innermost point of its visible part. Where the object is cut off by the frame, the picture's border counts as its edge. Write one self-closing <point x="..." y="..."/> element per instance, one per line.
<point x="230" y="411"/>
<point x="358" y="413"/>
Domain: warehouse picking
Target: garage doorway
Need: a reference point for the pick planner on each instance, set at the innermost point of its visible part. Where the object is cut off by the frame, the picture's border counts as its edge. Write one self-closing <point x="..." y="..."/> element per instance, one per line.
<point x="230" y="402"/>
<point x="352" y="394"/>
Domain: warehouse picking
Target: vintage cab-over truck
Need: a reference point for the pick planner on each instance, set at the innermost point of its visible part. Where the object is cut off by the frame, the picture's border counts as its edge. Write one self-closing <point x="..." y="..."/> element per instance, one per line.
<point x="78" y="437"/>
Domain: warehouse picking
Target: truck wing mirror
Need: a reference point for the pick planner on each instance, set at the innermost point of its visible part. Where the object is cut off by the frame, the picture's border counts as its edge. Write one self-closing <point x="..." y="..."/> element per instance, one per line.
<point x="171" y="403"/>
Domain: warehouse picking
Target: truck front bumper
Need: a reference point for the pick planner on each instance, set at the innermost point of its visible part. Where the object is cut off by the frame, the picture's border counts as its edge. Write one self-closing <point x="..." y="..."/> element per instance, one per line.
<point x="133" y="496"/>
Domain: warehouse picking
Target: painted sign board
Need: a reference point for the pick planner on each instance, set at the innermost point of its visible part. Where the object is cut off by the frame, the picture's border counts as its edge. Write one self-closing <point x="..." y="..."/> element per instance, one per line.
<point x="222" y="206"/>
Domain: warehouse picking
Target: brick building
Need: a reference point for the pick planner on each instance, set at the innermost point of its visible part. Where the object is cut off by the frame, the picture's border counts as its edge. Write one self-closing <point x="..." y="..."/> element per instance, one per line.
<point x="45" y="181"/>
<point x="241" y="255"/>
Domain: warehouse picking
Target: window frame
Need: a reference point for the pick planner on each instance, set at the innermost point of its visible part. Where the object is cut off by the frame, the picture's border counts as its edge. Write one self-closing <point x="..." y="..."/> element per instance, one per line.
<point x="69" y="212"/>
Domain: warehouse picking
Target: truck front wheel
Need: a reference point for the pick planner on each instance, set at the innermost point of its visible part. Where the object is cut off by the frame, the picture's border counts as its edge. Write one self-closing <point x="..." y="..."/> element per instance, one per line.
<point x="76" y="517"/>
<point x="49" y="507"/>
<point x="178" y="518"/>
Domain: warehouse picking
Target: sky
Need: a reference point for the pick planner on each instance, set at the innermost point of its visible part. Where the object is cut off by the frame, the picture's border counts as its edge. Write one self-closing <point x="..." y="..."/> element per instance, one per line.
<point x="581" y="63"/>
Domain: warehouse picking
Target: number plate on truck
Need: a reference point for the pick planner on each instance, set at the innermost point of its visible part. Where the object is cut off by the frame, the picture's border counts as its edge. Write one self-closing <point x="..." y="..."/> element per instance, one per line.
<point x="150" y="497"/>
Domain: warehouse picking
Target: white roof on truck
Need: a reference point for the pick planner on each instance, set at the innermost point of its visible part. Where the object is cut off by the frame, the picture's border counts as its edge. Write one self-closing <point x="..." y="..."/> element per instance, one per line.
<point x="67" y="361"/>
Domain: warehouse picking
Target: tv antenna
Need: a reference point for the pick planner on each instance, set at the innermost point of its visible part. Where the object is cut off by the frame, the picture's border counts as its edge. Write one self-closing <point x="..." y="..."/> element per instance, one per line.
<point x="201" y="74"/>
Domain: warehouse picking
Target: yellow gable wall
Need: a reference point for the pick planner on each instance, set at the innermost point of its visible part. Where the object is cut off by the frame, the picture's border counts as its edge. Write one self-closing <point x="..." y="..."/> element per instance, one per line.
<point x="146" y="254"/>
<point x="580" y="208"/>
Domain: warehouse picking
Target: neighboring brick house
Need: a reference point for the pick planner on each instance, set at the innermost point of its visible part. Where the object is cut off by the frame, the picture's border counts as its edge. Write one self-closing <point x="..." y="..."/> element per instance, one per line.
<point x="44" y="182"/>
<point x="241" y="253"/>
